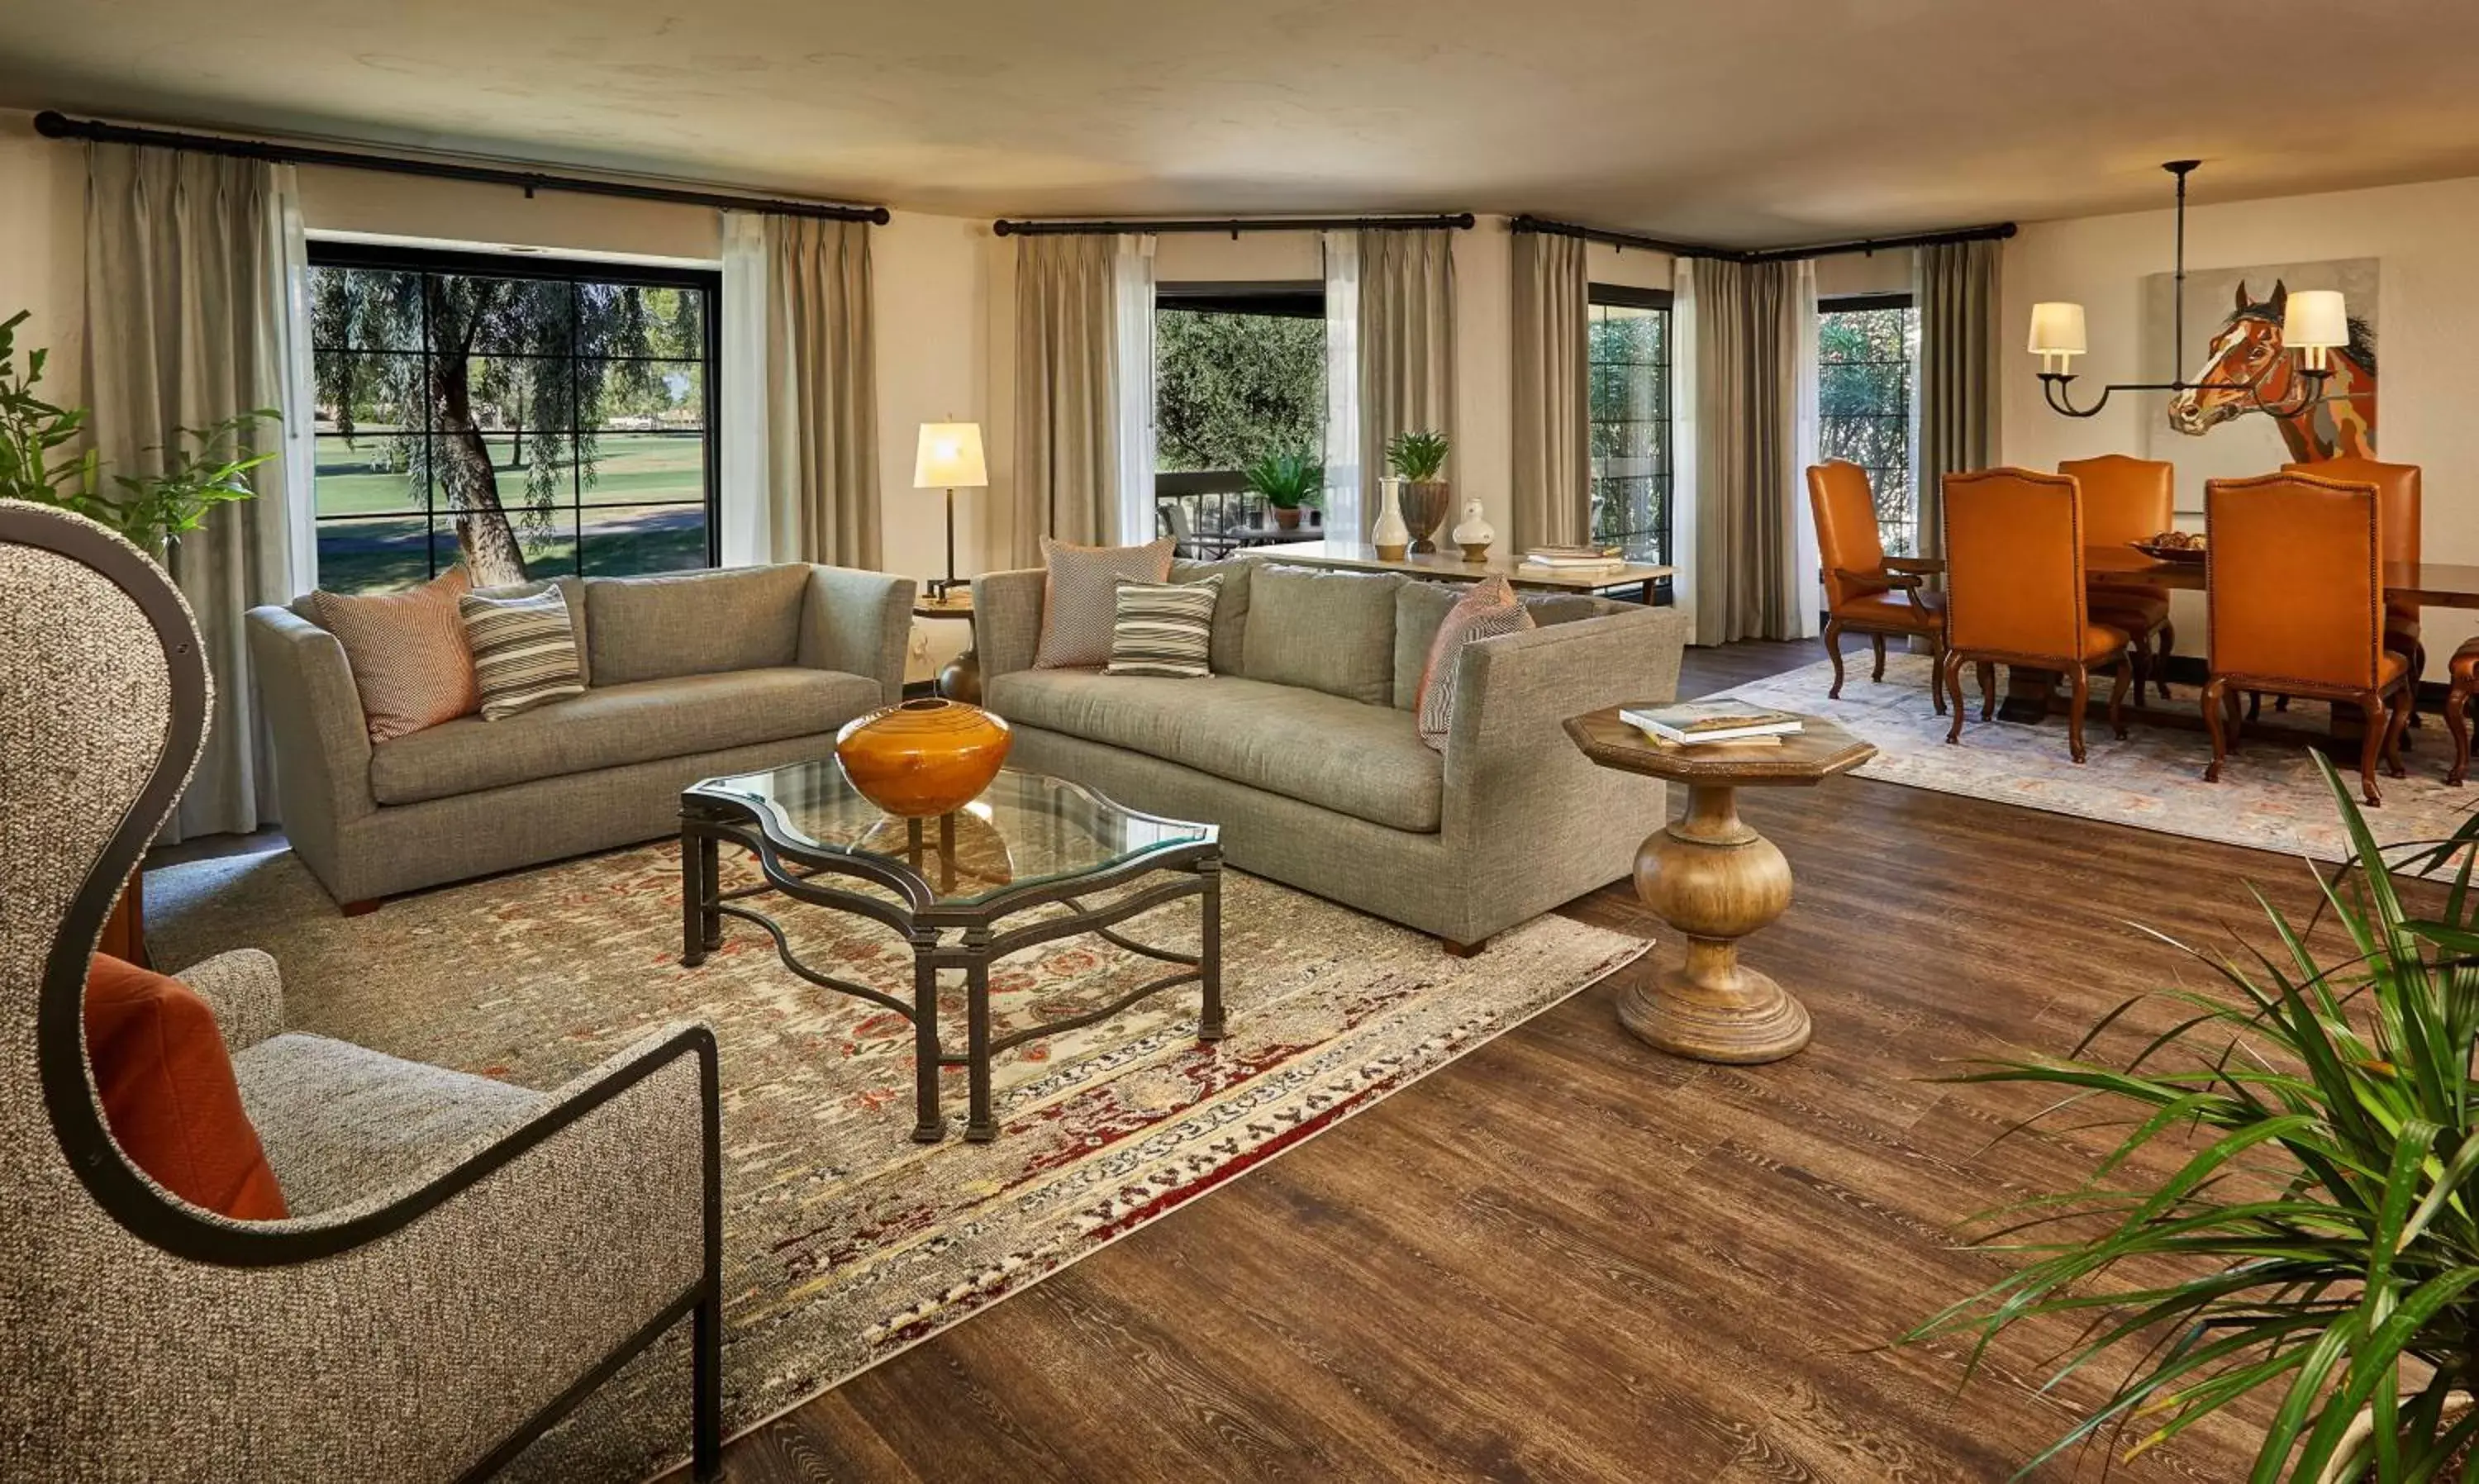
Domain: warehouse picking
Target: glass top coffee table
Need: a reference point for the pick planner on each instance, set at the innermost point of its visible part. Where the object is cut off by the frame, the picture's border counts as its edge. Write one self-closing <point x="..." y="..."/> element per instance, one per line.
<point x="947" y="884"/>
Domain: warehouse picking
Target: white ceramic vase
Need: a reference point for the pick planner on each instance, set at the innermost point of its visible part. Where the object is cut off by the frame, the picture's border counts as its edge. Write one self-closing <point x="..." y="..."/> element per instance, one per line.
<point x="1473" y="532"/>
<point x="1389" y="535"/>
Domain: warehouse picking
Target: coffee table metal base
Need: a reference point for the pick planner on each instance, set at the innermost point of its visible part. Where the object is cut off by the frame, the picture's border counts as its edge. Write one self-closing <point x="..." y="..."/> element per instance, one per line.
<point x="956" y="937"/>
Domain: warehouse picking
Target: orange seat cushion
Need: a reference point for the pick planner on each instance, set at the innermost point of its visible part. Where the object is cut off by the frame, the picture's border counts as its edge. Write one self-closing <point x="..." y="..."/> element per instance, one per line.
<point x="1917" y="612"/>
<point x="2102" y="642"/>
<point x="168" y="1094"/>
<point x="2145" y="612"/>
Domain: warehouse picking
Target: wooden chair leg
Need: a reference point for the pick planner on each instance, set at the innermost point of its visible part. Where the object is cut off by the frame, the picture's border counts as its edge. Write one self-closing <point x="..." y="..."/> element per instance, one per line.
<point x="2253" y="704"/>
<point x="2081" y="677"/>
<point x="1936" y="674"/>
<point x="2237" y="720"/>
<point x="1834" y="651"/>
<point x="2457" y="721"/>
<point x="2371" y="706"/>
<point x="2168" y="641"/>
<point x="2215" y="696"/>
<point x="2393" y="724"/>
<point x="2117" y="696"/>
<point x="2417" y="667"/>
<point x="1878" y="643"/>
<point x="1987" y="669"/>
<point x="1954" y="684"/>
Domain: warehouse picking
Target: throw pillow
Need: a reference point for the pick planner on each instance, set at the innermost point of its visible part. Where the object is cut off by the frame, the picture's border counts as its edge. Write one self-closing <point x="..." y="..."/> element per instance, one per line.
<point x="407" y="652"/>
<point x="1080" y="599"/>
<point x="524" y="651"/>
<point x="1489" y="609"/>
<point x="1230" y="611"/>
<point x="1330" y="631"/>
<point x="166" y="1087"/>
<point x="1419" y="607"/>
<point x="572" y="589"/>
<point x="1164" y="629"/>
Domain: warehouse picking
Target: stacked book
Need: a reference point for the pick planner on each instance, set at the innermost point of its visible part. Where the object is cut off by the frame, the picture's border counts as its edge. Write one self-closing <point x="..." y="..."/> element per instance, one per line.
<point x="1702" y="724"/>
<point x="1576" y="559"/>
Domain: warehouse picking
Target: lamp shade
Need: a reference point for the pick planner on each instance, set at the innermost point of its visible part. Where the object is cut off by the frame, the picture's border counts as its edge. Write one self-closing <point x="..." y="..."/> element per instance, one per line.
<point x="950" y="458"/>
<point x="2057" y="329"/>
<point x="2315" y="318"/>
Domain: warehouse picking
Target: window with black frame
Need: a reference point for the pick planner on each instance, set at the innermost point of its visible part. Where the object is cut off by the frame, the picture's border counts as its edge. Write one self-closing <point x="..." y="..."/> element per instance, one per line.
<point x="515" y="412"/>
<point x="1238" y="376"/>
<point x="1628" y="352"/>
<point x="1867" y="346"/>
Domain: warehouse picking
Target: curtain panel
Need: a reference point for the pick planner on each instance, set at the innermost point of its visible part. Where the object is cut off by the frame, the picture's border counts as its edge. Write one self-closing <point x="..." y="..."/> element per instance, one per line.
<point x="821" y="393"/>
<point x="1956" y="291"/>
<point x="1407" y="346"/>
<point x="1344" y="512"/>
<point x="1747" y="408"/>
<point x="1552" y="493"/>
<point x="189" y="319"/>
<point x="1066" y="423"/>
<point x="1131" y="289"/>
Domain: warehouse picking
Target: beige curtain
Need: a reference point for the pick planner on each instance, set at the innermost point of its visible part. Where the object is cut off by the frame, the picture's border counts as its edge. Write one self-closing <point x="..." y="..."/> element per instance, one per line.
<point x="821" y="393"/>
<point x="1746" y="395"/>
<point x="1407" y="346"/>
<point x="1067" y="436"/>
<point x="1958" y="297"/>
<point x="185" y="325"/>
<point x="1553" y="454"/>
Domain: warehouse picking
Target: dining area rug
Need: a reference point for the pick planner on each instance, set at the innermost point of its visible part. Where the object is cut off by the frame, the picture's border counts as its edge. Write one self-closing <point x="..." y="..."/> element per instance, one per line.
<point x="2270" y="796"/>
<point x="844" y="1241"/>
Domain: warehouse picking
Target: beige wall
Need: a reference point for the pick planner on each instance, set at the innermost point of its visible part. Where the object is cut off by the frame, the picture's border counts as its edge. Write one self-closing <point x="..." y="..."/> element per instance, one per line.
<point x="2427" y="318"/>
<point x="42" y="250"/>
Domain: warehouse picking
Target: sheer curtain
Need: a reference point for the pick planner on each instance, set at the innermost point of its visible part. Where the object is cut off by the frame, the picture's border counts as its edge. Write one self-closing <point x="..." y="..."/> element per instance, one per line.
<point x="1683" y="484"/>
<point x="747" y="534"/>
<point x="1132" y="394"/>
<point x="1344" y="517"/>
<point x="1806" y="574"/>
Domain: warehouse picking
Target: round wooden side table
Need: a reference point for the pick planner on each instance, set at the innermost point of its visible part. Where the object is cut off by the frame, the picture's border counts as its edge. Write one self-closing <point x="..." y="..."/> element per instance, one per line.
<point x="1716" y="880"/>
<point x="960" y="679"/>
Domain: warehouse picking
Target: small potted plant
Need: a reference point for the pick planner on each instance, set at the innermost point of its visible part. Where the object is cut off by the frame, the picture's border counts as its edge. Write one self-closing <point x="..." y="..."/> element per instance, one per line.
<point x="2315" y="1243"/>
<point x="1416" y="458"/>
<point x="1286" y="480"/>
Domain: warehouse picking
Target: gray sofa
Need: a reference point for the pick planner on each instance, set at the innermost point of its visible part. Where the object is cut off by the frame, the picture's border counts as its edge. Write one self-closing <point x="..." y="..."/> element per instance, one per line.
<point x="689" y="674"/>
<point x="1302" y="744"/>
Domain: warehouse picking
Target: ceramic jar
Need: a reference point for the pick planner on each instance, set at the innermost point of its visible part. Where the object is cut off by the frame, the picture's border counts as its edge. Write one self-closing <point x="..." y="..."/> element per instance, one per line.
<point x="1389" y="535"/>
<point x="923" y="757"/>
<point x="1473" y="532"/>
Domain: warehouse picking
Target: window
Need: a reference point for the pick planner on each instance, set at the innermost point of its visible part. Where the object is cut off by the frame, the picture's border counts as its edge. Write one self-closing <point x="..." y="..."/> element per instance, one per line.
<point x="1627" y="344"/>
<point x="1866" y="347"/>
<point x="479" y="404"/>
<point x="1238" y="374"/>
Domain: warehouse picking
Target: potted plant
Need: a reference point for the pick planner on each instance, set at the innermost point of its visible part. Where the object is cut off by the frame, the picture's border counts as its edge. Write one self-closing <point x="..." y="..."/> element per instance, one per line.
<point x="205" y="470"/>
<point x="1286" y="479"/>
<point x="1416" y="458"/>
<point x="2317" y="1241"/>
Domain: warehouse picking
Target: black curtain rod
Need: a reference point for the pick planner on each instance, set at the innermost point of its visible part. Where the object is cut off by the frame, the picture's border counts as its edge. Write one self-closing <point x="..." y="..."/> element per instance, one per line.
<point x="1994" y="232"/>
<point x="60" y="126"/>
<point x="1235" y="225"/>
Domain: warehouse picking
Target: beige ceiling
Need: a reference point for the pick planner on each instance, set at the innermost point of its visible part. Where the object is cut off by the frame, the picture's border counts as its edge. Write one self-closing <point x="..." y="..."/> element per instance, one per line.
<point x="1742" y="122"/>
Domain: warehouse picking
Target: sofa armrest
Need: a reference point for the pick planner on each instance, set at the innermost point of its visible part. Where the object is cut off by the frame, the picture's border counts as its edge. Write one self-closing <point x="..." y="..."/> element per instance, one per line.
<point x="859" y="622"/>
<point x="1510" y="771"/>
<point x="245" y="992"/>
<point x="314" y="713"/>
<point x="1007" y="619"/>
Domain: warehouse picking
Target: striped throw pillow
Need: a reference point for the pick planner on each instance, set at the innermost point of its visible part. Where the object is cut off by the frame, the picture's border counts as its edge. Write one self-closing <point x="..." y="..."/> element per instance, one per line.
<point x="1487" y="609"/>
<point x="1164" y="629"/>
<point x="1080" y="599"/>
<point x="524" y="651"/>
<point x="407" y="652"/>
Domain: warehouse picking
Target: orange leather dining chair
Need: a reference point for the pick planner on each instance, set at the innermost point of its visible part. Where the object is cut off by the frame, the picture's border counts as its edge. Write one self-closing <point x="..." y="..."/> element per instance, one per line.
<point x="2126" y="500"/>
<point x="2295" y="587"/>
<point x="1861" y="596"/>
<point x="2397" y="491"/>
<point x="2015" y="592"/>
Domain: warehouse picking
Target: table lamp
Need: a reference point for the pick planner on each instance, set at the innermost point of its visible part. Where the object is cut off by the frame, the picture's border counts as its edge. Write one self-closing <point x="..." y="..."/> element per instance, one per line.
<point x="949" y="458"/>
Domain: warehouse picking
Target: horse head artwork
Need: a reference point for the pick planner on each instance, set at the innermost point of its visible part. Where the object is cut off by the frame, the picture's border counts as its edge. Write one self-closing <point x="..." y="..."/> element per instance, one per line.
<point x="2244" y="367"/>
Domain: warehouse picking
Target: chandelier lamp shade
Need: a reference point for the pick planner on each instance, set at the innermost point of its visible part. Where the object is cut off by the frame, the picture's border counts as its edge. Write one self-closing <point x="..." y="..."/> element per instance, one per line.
<point x="949" y="457"/>
<point x="2314" y="322"/>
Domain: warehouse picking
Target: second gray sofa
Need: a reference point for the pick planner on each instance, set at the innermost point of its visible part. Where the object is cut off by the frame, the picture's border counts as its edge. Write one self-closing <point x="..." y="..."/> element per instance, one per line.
<point x="689" y="674"/>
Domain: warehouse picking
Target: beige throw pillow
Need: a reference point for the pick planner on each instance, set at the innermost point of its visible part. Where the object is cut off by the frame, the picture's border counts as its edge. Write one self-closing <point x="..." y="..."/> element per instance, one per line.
<point x="407" y="652"/>
<point x="524" y="652"/>
<point x="1489" y="609"/>
<point x="1080" y="604"/>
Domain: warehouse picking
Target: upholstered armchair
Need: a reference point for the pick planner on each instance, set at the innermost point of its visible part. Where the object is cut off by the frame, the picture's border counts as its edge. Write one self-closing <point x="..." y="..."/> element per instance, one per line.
<point x="2296" y="592"/>
<point x="2015" y="592"/>
<point x="2126" y="500"/>
<point x="463" y="1260"/>
<point x="1866" y="592"/>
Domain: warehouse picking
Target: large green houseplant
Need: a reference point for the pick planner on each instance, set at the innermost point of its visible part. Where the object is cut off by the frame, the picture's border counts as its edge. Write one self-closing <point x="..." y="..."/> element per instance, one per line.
<point x="2323" y="1122"/>
<point x="39" y="460"/>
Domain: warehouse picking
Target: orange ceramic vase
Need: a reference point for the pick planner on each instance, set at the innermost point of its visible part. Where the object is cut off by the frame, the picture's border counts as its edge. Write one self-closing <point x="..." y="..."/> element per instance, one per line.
<point x="923" y="757"/>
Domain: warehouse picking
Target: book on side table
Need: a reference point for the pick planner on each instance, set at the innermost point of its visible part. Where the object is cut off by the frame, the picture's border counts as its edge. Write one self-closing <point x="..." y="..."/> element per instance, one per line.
<point x="1713" y="723"/>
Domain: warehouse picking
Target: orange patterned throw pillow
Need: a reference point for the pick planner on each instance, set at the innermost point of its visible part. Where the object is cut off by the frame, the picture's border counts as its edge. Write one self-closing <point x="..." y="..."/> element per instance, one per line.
<point x="1079" y="600"/>
<point x="407" y="651"/>
<point x="1485" y="610"/>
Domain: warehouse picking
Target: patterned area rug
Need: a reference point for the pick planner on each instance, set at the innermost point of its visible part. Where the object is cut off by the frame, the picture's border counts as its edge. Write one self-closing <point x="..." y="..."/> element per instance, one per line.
<point x="2269" y="797"/>
<point x="843" y="1240"/>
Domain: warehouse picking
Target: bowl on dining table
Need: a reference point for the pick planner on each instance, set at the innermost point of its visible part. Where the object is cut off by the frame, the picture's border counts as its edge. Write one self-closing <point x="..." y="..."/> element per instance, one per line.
<point x="2190" y="550"/>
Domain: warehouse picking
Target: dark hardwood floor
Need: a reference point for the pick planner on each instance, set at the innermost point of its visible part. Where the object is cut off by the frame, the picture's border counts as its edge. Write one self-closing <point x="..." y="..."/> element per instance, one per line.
<point x="1569" y="1257"/>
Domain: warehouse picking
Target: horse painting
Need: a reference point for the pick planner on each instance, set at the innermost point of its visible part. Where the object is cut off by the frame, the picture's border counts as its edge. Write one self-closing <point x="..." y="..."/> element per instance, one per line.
<point x="2245" y="366"/>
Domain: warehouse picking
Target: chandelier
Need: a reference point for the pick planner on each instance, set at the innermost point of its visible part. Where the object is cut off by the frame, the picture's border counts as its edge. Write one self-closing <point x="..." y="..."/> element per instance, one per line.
<point x="2314" y="322"/>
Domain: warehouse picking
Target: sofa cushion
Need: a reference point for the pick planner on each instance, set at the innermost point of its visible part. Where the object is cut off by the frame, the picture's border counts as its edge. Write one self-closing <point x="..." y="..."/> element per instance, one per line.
<point x="344" y="1123"/>
<point x="694" y="623"/>
<point x="1419" y="607"/>
<point x="612" y="726"/>
<point x="166" y="1085"/>
<point x="1353" y="759"/>
<point x="1332" y="631"/>
<point x="1230" y="611"/>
